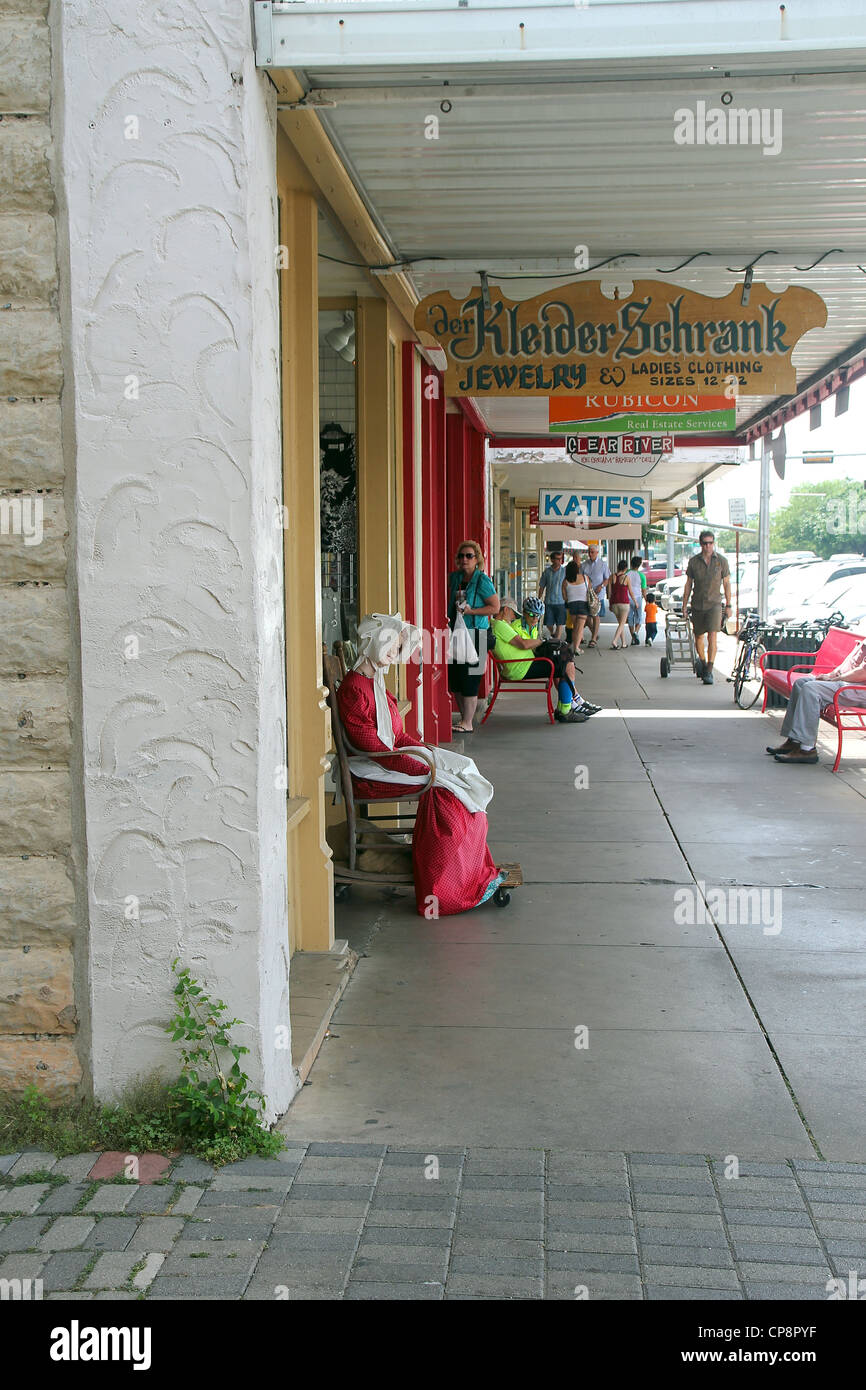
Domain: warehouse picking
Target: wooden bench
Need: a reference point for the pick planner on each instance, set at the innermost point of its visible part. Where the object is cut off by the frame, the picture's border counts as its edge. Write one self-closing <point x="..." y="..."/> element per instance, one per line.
<point x="838" y="644"/>
<point x="534" y="684"/>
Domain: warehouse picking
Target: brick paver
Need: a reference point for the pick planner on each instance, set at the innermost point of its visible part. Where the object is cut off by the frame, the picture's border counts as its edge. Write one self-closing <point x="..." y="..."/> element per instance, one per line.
<point x="343" y="1221"/>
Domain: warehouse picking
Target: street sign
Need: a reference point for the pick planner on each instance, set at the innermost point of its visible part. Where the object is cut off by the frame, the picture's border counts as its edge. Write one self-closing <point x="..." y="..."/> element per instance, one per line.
<point x="737" y="511"/>
<point x="815" y="456"/>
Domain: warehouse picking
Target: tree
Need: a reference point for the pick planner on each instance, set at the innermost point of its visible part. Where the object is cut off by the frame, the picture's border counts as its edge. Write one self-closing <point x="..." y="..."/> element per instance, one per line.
<point x="727" y="539"/>
<point x="826" y="517"/>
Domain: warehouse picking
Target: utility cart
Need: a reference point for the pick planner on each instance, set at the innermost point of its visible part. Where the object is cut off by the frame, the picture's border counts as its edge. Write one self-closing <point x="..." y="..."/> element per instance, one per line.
<point x="679" y="645"/>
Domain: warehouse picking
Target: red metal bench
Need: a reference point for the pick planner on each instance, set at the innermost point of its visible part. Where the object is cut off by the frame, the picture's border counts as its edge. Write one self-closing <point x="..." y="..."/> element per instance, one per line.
<point x="524" y="687"/>
<point x="837" y="645"/>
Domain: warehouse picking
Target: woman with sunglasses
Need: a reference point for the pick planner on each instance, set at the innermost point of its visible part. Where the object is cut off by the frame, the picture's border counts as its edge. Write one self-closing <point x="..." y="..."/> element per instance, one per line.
<point x="471" y="593"/>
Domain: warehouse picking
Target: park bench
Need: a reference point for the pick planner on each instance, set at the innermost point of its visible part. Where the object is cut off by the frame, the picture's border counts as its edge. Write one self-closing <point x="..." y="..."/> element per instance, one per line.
<point x="836" y="646"/>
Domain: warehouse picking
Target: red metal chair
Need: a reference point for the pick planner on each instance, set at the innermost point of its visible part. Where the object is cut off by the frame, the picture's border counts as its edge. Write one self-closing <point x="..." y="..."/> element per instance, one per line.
<point x="524" y="687"/>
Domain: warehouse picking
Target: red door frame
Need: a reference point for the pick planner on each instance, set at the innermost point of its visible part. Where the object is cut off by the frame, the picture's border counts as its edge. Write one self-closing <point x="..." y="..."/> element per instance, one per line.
<point x="451" y="465"/>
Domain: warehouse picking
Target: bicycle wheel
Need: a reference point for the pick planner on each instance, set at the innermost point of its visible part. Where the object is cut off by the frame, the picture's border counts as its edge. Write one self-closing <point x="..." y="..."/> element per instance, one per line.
<point x="748" y="683"/>
<point x="739" y="673"/>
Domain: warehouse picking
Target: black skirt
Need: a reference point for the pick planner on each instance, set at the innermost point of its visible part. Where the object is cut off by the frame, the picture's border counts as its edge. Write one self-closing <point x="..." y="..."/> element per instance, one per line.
<point x="464" y="679"/>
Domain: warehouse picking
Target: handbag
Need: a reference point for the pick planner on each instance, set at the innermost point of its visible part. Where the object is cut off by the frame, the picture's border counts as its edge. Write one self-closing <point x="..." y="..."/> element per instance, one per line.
<point x="593" y="602"/>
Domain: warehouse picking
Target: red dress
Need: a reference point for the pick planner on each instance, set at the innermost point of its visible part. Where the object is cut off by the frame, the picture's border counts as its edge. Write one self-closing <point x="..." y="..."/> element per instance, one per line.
<point x="451" y="863"/>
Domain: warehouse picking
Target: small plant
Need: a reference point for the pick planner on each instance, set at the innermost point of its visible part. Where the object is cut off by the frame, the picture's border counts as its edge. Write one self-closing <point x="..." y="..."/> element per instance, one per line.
<point x="214" y="1103"/>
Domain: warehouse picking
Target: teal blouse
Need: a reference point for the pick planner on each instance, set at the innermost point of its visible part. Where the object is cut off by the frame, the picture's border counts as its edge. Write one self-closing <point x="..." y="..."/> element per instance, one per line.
<point x="479" y="592"/>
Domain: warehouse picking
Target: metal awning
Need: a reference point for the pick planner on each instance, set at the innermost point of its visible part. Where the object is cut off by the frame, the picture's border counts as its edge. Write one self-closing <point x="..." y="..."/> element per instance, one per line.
<point x="559" y="135"/>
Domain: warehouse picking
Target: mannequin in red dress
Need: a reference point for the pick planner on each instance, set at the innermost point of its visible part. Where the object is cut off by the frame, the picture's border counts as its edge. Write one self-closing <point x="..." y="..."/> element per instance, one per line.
<point x="451" y="864"/>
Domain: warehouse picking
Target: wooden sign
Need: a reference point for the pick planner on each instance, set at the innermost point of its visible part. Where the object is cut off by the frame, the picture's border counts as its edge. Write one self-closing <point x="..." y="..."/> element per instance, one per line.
<point x="575" y="341"/>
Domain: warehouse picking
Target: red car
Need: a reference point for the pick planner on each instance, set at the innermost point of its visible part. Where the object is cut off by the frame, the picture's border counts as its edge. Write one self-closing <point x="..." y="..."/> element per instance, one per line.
<point x="656" y="573"/>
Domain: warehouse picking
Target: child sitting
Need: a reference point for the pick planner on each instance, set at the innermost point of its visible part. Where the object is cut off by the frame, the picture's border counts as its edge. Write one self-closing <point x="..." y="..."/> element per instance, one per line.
<point x="651" y="614"/>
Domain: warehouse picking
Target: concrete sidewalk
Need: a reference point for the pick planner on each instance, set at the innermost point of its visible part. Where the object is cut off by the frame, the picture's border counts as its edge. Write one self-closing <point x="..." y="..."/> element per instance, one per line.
<point x="608" y="1009"/>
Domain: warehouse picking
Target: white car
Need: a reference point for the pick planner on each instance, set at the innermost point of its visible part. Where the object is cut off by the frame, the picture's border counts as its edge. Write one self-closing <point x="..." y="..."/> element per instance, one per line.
<point x="809" y="586"/>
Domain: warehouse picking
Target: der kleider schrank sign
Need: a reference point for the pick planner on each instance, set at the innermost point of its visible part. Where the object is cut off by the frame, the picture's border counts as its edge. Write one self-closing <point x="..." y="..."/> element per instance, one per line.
<point x="576" y="340"/>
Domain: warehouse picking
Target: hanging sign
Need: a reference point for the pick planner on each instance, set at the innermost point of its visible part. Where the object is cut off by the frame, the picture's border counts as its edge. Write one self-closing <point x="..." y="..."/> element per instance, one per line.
<point x="586" y="505"/>
<point x="688" y="413"/>
<point x="574" y="340"/>
<point x="737" y="511"/>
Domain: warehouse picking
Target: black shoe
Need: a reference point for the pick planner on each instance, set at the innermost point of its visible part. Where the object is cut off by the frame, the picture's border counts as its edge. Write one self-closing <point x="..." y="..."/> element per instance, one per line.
<point x="635" y="641"/>
<point x="699" y="668"/>
<point x="707" y="677"/>
<point x="587" y="708"/>
<point x="573" y="717"/>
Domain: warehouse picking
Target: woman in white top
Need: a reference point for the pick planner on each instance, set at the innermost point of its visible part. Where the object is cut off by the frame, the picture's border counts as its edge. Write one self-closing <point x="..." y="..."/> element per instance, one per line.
<point x="635" y="589"/>
<point x="575" y="598"/>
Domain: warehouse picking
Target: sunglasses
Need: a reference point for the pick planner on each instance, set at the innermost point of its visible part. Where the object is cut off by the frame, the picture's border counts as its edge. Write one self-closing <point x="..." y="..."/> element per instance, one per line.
<point x="707" y="542"/>
<point x="466" y="555"/>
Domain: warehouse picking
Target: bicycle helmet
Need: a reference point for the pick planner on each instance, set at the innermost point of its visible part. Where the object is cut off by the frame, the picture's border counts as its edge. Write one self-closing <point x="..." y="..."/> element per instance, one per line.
<point x="535" y="606"/>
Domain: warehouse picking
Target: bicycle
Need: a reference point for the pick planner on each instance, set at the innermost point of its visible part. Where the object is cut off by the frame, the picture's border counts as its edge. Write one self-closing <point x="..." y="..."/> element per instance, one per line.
<point x="747" y="674"/>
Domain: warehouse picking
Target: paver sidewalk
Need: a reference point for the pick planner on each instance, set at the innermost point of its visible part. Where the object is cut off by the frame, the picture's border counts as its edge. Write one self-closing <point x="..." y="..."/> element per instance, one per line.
<point x="369" y="1221"/>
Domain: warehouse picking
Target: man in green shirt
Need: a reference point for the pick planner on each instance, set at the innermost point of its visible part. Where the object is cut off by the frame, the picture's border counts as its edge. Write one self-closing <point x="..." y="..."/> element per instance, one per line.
<point x="511" y="644"/>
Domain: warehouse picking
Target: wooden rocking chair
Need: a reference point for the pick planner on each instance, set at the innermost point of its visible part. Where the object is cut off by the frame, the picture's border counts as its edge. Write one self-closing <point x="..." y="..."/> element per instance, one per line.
<point x="363" y="832"/>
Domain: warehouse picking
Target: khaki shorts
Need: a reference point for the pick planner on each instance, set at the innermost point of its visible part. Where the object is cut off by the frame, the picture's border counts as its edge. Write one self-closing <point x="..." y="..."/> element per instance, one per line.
<point x="707" y="619"/>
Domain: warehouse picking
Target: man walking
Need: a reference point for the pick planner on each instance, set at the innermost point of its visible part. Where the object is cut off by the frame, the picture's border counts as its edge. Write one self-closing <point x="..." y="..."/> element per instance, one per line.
<point x="597" y="571"/>
<point x="809" y="695"/>
<point x="705" y="575"/>
<point x="550" y="588"/>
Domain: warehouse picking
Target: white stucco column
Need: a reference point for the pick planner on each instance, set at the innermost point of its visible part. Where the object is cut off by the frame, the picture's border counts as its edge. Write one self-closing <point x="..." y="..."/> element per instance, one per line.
<point x="164" y="143"/>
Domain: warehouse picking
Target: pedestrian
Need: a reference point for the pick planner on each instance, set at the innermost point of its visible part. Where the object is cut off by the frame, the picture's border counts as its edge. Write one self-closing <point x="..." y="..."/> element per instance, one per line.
<point x="472" y="594"/>
<point x="706" y="573"/>
<point x="550" y="588"/>
<point x="635" y="590"/>
<point x="651" y="612"/>
<point x="619" y="601"/>
<point x="809" y="695"/>
<point x="576" y="601"/>
<point x="597" y="572"/>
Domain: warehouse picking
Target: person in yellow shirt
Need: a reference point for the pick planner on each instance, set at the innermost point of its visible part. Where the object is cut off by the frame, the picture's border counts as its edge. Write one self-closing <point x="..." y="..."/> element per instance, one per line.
<point x="512" y="645"/>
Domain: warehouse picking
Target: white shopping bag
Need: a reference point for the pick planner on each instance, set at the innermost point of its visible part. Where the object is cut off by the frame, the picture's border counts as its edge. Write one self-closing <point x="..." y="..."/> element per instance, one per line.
<point x="462" y="647"/>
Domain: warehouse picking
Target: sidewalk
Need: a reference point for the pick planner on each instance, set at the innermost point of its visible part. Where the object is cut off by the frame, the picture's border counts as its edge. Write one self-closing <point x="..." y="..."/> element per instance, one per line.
<point x="704" y="1036"/>
<point x="602" y="1087"/>
<point x="359" y="1221"/>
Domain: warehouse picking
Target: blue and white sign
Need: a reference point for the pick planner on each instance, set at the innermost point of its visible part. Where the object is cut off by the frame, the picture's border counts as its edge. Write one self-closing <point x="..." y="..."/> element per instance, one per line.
<point x="585" y="505"/>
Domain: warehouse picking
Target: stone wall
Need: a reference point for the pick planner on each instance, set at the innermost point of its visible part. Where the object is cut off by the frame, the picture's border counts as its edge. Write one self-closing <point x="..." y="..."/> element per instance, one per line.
<point x="38" y="935"/>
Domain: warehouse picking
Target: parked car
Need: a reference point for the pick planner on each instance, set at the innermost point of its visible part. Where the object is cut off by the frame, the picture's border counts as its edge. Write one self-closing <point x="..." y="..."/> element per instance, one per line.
<point x="656" y="571"/>
<point x="845" y="594"/>
<point x="808" y="585"/>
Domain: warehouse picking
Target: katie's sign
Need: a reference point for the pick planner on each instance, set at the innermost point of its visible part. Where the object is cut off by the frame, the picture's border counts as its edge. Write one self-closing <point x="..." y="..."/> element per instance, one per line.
<point x="576" y="341"/>
<point x="686" y="413"/>
<point x="585" y="505"/>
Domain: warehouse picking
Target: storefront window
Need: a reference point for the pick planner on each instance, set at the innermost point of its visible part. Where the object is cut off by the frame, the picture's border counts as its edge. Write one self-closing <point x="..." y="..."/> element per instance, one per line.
<point x="339" y="479"/>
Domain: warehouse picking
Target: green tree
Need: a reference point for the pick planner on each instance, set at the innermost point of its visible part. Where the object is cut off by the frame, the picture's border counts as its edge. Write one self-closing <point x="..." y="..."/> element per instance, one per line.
<point x="727" y="539"/>
<point x="826" y="517"/>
